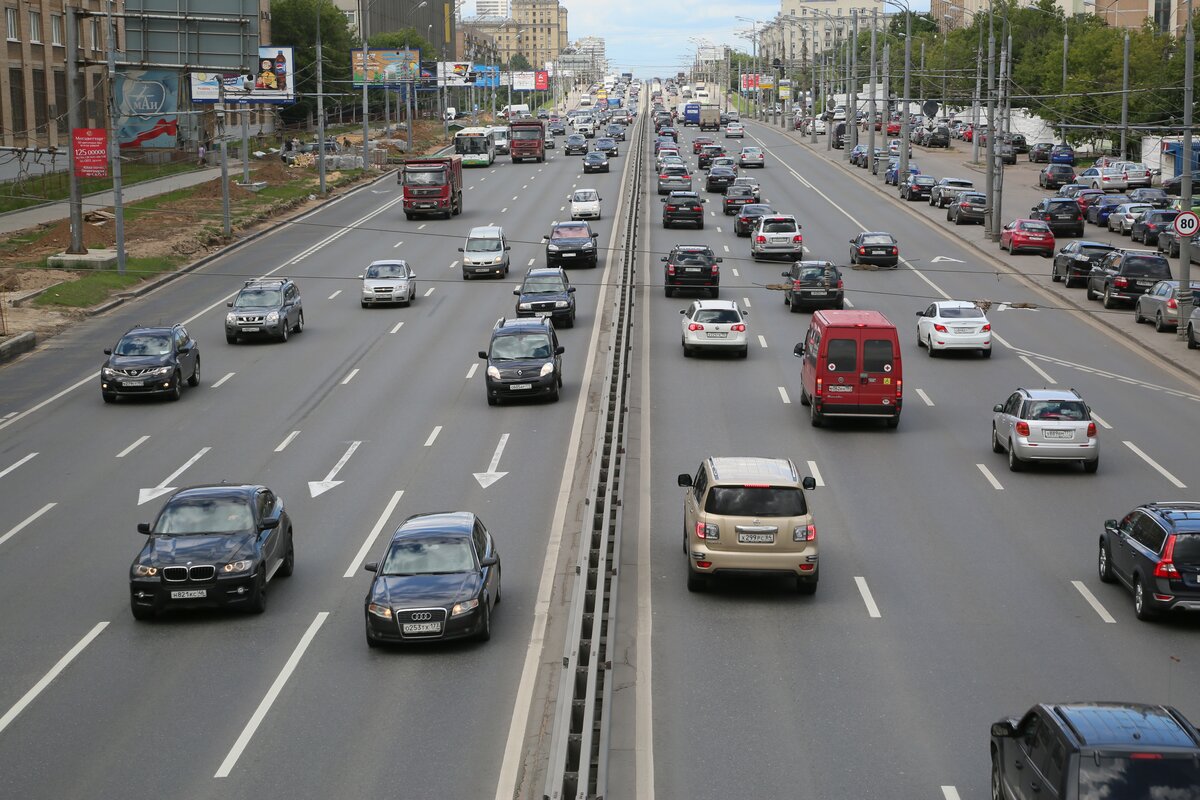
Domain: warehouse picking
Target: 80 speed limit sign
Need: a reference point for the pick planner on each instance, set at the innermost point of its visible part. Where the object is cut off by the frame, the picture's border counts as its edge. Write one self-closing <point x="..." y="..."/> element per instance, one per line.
<point x="1186" y="224"/>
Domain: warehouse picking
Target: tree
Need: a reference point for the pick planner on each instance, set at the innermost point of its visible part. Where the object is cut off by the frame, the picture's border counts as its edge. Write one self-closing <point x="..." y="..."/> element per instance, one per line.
<point x="519" y="63"/>
<point x="294" y="23"/>
<point x="403" y="39"/>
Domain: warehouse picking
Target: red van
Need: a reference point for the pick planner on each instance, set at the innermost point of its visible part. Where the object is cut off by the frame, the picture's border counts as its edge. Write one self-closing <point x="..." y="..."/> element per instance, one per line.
<point x="852" y="367"/>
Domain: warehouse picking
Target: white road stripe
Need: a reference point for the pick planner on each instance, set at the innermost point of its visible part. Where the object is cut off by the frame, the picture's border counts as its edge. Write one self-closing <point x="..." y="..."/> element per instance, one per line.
<point x="726" y="247"/>
<point x="432" y="436"/>
<point x="848" y="304"/>
<point x="718" y="227"/>
<point x="335" y="294"/>
<point x="504" y="209"/>
<point x="350" y="376"/>
<point x="454" y="263"/>
<point x="261" y="712"/>
<point x="864" y="590"/>
<point x="746" y="302"/>
<point x="20" y="526"/>
<point x="17" y="464"/>
<point x="421" y="227"/>
<point x="286" y="441"/>
<point x="735" y="273"/>
<point x="471" y="371"/>
<point x="9" y="414"/>
<point x="816" y="473"/>
<point x="49" y="677"/>
<point x="530" y="264"/>
<point x="1101" y="422"/>
<point x="1161" y="469"/>
<point x="140" y="440"/>
<point x="783" y="395"/>
<point x="1045" y="376"/>
<point x="429" y="291"/>
<point x="987" y="473"/>
<point x="396" y="328"/>
<point x="397" y="244"/>
<point x="1093" y="602"/>
<point x="925" y="397"/>
<point x="361" y="555"/>
<point x="997" y="337"/>
<point x="762" y="341"/>
<point x="221" y="381"/>
<point x="950" y="793"/>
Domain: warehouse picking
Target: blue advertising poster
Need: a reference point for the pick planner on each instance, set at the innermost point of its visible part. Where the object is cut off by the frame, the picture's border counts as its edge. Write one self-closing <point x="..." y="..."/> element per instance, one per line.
<point x="147" y="100"/>
<point x="486" y="77"/>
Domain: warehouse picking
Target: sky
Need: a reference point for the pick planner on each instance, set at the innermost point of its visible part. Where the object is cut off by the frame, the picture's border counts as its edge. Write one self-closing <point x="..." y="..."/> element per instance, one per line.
<point x="653" y="37"/>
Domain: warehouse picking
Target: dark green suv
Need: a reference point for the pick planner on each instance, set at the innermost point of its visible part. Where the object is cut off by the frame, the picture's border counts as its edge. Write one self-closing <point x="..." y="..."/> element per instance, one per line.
<point x="265" y="308"/>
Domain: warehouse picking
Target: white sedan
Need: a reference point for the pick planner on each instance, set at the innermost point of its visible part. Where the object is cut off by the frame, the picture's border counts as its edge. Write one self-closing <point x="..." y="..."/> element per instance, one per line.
<point x="390" y="281"/>
<point x="735" y="130"/>
<point x="954" y="325"/>
<point x="585" y="204"/>
<point x="714" y="325"/>
<point x="752" y="157"/>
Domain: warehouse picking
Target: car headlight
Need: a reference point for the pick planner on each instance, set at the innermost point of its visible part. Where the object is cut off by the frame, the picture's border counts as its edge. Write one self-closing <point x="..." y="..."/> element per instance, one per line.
<point x="588" y="245"/>
<point x="234" y="567"/>
<point x="553" y="248"/>
<point x="547" y="369"/>
<point x="464" y="607"/>
<point x="107" y="372"/>
<point x="493" y="373"/>
<point x="381" y="611"/>
<point x="163" y="370"/>
<point x="231" y="317"/>
<point x="524" y="306"/>
<point x="273" y="316"/>
<point x="143" y="571"/>
<point x="560" y="304"/>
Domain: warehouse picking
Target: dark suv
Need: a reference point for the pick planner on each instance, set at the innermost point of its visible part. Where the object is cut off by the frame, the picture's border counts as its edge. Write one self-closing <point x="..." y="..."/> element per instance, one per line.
<point x="547" y="292"/>
<point x="524" y="359"/>
<point x="938" y="137"/>
<point x="571" y="243"/>
<point x="692" y="266"/>
<point x="150" y="361"/>
<point x="1154" y="550"/>
<point x="708" y="152"/>
<point x="1075" y="261"/>
<point x="1125" y="275"/>
<point x="813" y="284"/>
<point x="683" y="207"/>
<point x="1062" y="214"/>
<point x="1082" y="751"/>
<point x="270" y="307"/>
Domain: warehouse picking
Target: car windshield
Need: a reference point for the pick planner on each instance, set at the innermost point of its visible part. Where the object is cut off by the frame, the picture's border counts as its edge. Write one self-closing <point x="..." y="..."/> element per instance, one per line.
<point x="576" y="138"/>
<point x="1036" y="227"/>
<point x="424" y="177"/>
<point x="1146" y="266"/>
<point x="605" y="143"/>
<point x="525" y="133"/>
<point x="387" y="271"/>
<point x="721" y="315"/>
<point x="519" y="346"/>
<point x="483" y="245"/>
<point x="813" y="273"/>
<point x="1152" y="778"/>
<point x="543" y="284"/>
<point x="674" y="170"/>
<point x="253" y="298"/>
<point x="877" y="238"/>
<point x="144" y="344"/>
<point x="1071" y="410"/>
<point x="585" y="196"/>
<point x="429" y="557"/>
<point x="692" y="257"/>
<point x="195" y="515"/>
<point x="962" y="313"/>
<point x="756" y="501"/>
<point x="755" y="210"/>
<point x="778" y="226"/>
<point x="571" y="232"/>
<point x="1095" y="250"/>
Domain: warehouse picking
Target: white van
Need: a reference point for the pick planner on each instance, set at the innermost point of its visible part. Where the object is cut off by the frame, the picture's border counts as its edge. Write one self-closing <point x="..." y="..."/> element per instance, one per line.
<point x="485" y="252"/>
<point x="585" y="101"/>
<point x="515" y="110"/>
<point x="501" y="135"/>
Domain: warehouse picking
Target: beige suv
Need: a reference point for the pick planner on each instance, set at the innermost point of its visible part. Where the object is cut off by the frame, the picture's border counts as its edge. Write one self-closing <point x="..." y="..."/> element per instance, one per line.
<point x="749" y="515"/>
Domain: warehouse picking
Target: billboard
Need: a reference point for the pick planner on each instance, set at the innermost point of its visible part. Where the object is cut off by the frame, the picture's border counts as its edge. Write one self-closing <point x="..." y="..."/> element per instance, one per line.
<point x="385" y="66"/>
<point x="486" y="77"/>
<point x="749" y="81"/>
<point x="766" y="81"/>
<point x="147" y="101"/>
<point x="91" y="152"/>
<point x="454" y="73"/>
<point x="273" y="81"/>
<point x="541" y="80"/>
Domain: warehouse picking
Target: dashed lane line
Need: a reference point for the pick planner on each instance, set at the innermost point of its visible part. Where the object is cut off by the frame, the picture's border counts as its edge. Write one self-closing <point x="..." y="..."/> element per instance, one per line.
<point x="987" y="473"/>
<point x="279" y="448"/>
<point x="1093" y="602"/>
<point x="1178" y="484"/>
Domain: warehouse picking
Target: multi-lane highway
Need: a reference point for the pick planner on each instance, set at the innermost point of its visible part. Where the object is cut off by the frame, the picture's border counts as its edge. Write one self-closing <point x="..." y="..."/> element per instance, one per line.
<point x="953" y="592"/>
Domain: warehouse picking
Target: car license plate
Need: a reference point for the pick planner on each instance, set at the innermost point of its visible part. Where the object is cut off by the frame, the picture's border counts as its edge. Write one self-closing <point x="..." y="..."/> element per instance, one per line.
<point x="567" y="255"/>
<point x="251" y="329"/>
<point x="516" y="387"/>
<point x="963" y="330"/>
<point x="1055" y="434"/>
<point x="717" y="334"/>
<point x="842" y="389"/>
<point x="421" y="627"/>
<point x="426" y="205"/>
<point x="756" y="538"/>
<point x="133" y="383"/>
<point x="541" y="313"/>
<point x="189" y="594"/>
<point x="817" y="292"/>
<point x="691" y="269"/>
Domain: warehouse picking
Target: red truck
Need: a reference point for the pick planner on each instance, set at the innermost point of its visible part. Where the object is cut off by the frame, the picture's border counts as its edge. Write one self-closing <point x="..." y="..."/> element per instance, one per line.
<point x="526" y="139"/>
<point x="433" y="186"/>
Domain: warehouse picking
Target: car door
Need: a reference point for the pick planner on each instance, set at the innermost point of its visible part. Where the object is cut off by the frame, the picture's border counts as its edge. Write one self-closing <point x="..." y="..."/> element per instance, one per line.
<point x="1042" y="777"/>
<point x="1009" y="416"/>
<point x="264" y="510"/>
<point x="484" y="547"/>
<point x="292" y="300"/>
<point x="1120" y="549"/>
<point x="1146" y="544"/>
<point x="692" y="504"/>
<point x="925" y="321"/>
<point x="185" y="352"/>
<point x="1016" y="757"/>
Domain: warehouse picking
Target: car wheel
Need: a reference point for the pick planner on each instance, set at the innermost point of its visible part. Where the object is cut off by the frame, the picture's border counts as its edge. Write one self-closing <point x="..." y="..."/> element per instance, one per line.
<point x="1159" y="325"/>
<point x="1090" y="467"/>
<point x="554" y="394"/>
<point x="194" y="380"/>
<point x="1015" y="464"/>
<point x="177" y="390"/>
<point x="492" y="400"/>
<point x="998" y="792"/>
<point x="668" y="291"/>
<point x="258" y="598"/>
<point x="805" y="585"/>
<point x="140" y="613"/>
<point x="485" y="630"/>
<point x="1108" y="301"/>
<point x="284" y="331"/>
<point x="696" y="581"/>
<point x="1192" y="342"/>
<point x="996" y="447"/>
<point x="986" y="352"/>
<point x="687" y="351"/>
<point x="289" y="560"/>
<point x="1054" y="276"/>
<point x="300" y="320"/>
<point x="1104" y="564"/>
<point x="700" y="225"/>
<point x="815" y="417"/>
<point x="232" y="339"/>
<point x="1091" y="294"/>
<point x="744" y="352"/>
<point x="929" y="346"/>
<point x="1141" y="603"/>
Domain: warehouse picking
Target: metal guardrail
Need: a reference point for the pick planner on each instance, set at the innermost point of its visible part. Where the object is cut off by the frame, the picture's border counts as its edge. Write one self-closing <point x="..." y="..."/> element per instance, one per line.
<point x="578" y="759"/>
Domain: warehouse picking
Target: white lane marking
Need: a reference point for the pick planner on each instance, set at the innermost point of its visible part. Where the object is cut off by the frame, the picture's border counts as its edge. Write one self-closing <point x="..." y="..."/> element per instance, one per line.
<point x="1101" y="422"/>
<point x="925" y="397"/>
<point x="17" y="464"/>
<point x="726" y="247"/>
<point x="1159" y="467"/>
<point x="349" y="377"/>
<point x="746" y="302"/>
<point x="643" y="692"/>
<point x="950" y="793"/>
<point x="1045" y="376"/>
<point x="735" y="273"/>
<point x="279" y="448"/>
<point x="783" y="395"/>
<point x="66" y="391"/>
<point x="514" y="197"/>
<point x="421" y="227"/>
<point x="429" y="291"/>
<point x="504" y="209"/>
<point x="1093" y="602"/>
<point x="146" y="495"/>
<point x="432" y="436"/>
<point x="335" y="294"/>
<point x="318" y="488"/>
<point x="562" y="208"/>
<point x="396" y="328"/>
<point x="816" y="473"/>
<point x="1002" y="340"/>
<point x="530" y="264"/>
<point x="139" y="441"/>
<point x="454" y="263"/>
<point x="9" y="414"/>
<point x="261" y="712"/>
<point x="762" y="341"/>
<point x="397" y="244"/>
<point x="718" y="227"/>
<point x="848" y="304"/>
<point x="49" y="677"/>
<point x="865" y="591"/>
<point x="987" y="473"/>
<point x="221" y="381"/>
<point x="486" y="479"/>
<point x="388" y="510"/>
<point x="471" y="371"/>
<point x="20" y="526"/>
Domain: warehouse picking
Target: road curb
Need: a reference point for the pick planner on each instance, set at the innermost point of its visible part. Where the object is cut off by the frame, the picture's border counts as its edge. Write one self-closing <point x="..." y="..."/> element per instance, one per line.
<point x="16" y="345"/>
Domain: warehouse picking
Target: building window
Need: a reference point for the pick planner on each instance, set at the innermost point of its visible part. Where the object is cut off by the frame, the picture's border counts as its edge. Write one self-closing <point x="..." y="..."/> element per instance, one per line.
<point x="351" y="18"/>
<point x="97" y="42"/>
<point x="56" y="30"/>
<point x="41" y="102"/>
<point x="35" y="27"/>
<point x="60" y="101"/>
<point x="16" y="89"/>
<point x="10" y="20"/>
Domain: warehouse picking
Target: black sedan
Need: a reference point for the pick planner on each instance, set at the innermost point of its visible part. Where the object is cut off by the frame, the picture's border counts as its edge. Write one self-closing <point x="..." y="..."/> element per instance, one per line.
<point x="571" y="243"/>
<point x="606" y="145"/>
<point x="917" y="187"/>
<point x="576" y="144"/>
<point x="556" y="127"/>
<point x="718" y="179"/>
<point x="966" y="207"/>
<point x="214" y="546"/>
<point x="615" y="131"/>
<point x="1148" y="226"/>
<point x="747" y="218"/>
<point x="150" y="361"/>
<point x="438" y="580"/>
<point x="736" y="196"/>
<point x="595" y="161"/>
<point x="875" y="247"/>
<point x="1073" y="263"/>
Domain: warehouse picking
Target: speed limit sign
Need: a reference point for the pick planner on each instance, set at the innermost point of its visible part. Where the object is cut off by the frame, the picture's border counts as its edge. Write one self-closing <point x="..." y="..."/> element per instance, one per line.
<point x="1186" y="224"/>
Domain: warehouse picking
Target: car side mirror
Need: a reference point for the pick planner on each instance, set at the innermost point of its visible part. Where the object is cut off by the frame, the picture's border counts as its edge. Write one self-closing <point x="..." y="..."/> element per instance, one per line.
<point x="229" y="304"/>
<point x="461" y="250"/>
<point x="570" y="290"/>
<point x="798" y="350"/>
<point x="720" y="260"/>
<point x="508" y="247"/>
<point x="558" y="351"/>
<point x="1110" y="525"/>
<point x="998" y="408"/>
<point x="412" y="275"/>
<point x="920" y="313"/>
<point x="143" y="527"/>
<point x="785" y="274"/>
<point x="683" y="311"/>
<point x="595" y="236"/>
<point x="271" y="523"/>
<point x="489" y="561"/>
<point x="108" y="351"/>
<point x="483" y="354"/>
<point x="684" y="480"/>
<point x="809" y="483"/>
<point x="1005" y="729"/>
<point x="371" y="566"/>
<point x="662" y="200"/>
<point x="664" y="258"/>
<point x="851" y="241"/>
<point x="516" y="291"/>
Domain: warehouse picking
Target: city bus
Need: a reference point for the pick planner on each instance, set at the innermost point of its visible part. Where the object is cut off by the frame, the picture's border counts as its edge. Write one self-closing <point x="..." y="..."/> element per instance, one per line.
<point x="477" y="146"/>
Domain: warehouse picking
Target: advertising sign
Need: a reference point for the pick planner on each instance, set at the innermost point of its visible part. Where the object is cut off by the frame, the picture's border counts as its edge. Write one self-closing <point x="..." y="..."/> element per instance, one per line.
<point x="522" y="81"/>
<point x="785" y="89"/>
<point x="454" y="73"/>
<point x="273" y="81"/>
<point x="541" y="80"/>
<point x="147" y="100"/>
<point x="91" y="152"/>
<point x="749" y="81"/>
<point x="385" y="67"/>
<point x="766" y="81"/>
<point x="485" y="76"/>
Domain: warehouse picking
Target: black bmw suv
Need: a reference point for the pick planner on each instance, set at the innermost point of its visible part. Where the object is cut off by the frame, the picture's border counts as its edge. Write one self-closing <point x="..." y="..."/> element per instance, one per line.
<point x="150" y="361"/>
<point x="212" y="546"/>
<point x="524" y="359"/>
<point x="270" y="307"/>
<point x="571" y="244"/>
<point x="692" y="266"/>
<point x="1154" y="551"/>
<point x="685" y="207"/>
<point x="814" y="284"/>
<point x="547" y="292"/>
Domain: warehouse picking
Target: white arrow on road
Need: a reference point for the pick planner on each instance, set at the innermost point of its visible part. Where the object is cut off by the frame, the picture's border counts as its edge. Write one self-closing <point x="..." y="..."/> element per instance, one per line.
<point x="317" y="488"/>
<point x="938" y="259"/>
<point x="146" y="495"/>
<point x="486" y="479"/>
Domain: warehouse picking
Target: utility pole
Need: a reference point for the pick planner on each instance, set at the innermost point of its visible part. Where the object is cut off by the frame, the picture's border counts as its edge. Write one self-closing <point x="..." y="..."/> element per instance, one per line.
<point x="905" y="138"/>
<point x="871" y="101"/>
<point x="1185" y="185"/>
<point x="989" y="209"/>
<point x="852" y="122"/>
<point x="73" y="119"/>
<point x="849" y="104"/>
<point x="321" y="105"/>
<point x="887" y="95"/>
<point x="812" y="105"/>
<point x="978" y="100"/>
<point x="997" y="203"/>
<point x="1066" y="49"/>
<point x="1125" y="98"/>
<point x="921" y="82"/>
<point x="362" y="18"/>
<point x="118" y="201"/>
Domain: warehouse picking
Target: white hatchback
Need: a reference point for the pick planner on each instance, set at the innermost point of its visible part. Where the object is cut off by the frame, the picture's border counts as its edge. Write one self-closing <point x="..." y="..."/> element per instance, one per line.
<point x="735" y="130"/>
<point x="714" y="325"/>
<point x="585" y="204"/>
<point x="954" y="325"/>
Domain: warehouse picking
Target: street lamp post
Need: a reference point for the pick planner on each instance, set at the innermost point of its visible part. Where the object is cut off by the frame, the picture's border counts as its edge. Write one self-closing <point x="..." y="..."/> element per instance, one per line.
<point x="871" y="101"/>
<point x="1185" y="184"/>
<point x="363" y="7"/>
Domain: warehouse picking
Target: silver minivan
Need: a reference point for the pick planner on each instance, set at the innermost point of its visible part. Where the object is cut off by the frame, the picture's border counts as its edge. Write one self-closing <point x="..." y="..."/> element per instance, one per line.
<point x="485" y="252"/>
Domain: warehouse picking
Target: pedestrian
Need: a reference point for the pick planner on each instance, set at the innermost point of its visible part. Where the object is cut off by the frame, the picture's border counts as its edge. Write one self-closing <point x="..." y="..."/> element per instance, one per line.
<point x="201" y="151"/>
<point x="345" y="142"/>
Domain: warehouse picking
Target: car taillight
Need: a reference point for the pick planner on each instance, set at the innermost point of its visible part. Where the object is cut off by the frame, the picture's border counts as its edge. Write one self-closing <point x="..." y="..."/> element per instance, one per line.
<point x="1091" y="430"/>
<point x="707" y="531"/>
<point x="670" y="269"/>
<point x="987" y="327"/>
<point x="697" y="208"/>
<point x="1172" y="304"/>
<point x="687" y="177"/>
<point x="1150" y="226"/>
<point x="895" y="251"/>
<point x="695" y="326"/>
<point x="939" y="328"/>
<point x="840" y="285"/>
<point x="819" y="388"/>
<point x="760" y="239"/>
<point x="1120" y="283"/>
<point x="1125" y="175"/>
<point x="663" y="177"/>
<point x="1166" y="565"/>
<point x="862" y="251"/>
<point x="714" y="269"/>
<point x="798" y="239"/>
<point x="797" y="284"/>
<point x="739" y="327"/>
<point x="804" y="533"/>
<point x="671" y="208"/>
<point x="1022" y="428"/>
